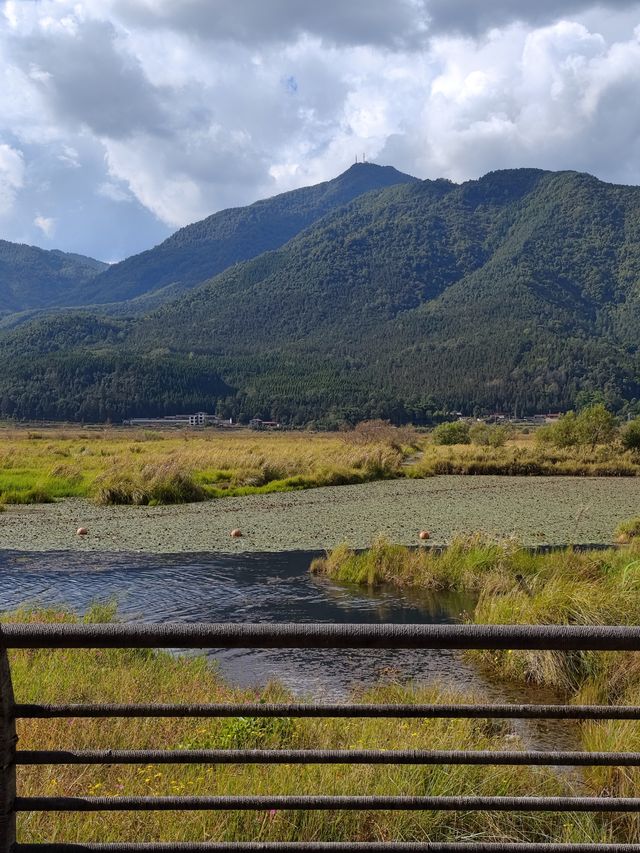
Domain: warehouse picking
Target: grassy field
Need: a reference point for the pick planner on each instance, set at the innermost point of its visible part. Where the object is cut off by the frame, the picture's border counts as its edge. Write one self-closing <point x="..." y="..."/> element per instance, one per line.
<point x="116" y="466"/>
<point x="126" y="466"/>
<point x="514" y="586"/>
<point x="125" y="676"/>
<point x="524" y="456"/>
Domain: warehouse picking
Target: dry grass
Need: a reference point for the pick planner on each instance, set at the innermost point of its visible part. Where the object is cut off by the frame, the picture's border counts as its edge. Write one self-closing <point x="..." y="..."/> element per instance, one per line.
<point x="522" y="456"/>
<point x="128" y="676"/>
<point x="113" y="464"/>
<point x="118" y="465"/>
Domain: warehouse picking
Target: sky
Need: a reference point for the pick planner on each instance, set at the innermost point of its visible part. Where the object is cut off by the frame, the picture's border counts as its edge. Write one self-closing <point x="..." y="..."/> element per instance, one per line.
<point x="123" y="120"/>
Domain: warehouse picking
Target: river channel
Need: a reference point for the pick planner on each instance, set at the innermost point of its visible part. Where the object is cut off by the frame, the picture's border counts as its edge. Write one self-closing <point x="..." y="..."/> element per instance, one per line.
<point x="273" y="587"/>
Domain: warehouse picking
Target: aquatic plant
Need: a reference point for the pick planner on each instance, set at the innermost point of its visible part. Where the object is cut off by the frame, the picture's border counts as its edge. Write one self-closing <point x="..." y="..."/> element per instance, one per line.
<point x="628" y="530"/>
<point x="167" y="483"/>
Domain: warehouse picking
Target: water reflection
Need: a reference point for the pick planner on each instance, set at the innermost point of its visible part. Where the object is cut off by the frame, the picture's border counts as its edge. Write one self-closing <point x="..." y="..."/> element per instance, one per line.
<point x="265" y="588"/>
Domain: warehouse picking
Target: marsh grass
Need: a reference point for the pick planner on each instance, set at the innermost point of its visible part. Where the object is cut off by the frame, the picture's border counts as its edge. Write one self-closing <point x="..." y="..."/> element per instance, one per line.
<point x="151" y="485"/>
<point x="516" y="586"/>
<point x="137" y="676"/>
<point x="132" y="467"/>
<point x="628" y="530"/>
<point x="113" y="465"/>
<point x="468" y="563"/>
<point x="524" y="457"/>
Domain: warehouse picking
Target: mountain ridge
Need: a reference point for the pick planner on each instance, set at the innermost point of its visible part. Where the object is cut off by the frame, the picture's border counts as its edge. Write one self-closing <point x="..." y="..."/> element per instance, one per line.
<point x="516" y="291"/>
<point x="35" y="277"/>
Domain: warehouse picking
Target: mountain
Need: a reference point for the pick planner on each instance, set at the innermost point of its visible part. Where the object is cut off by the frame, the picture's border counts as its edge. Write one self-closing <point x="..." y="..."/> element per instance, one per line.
<point x="203" y="249"/>
<point x="32" y="279"/>
<point x="36" y="278"/>
<point x="516" y="292"/>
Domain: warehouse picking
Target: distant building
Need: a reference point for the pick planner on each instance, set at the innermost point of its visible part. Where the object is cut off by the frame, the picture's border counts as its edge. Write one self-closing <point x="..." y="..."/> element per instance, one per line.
<point x="258" y="423"/>
<point x="199" y="419"/>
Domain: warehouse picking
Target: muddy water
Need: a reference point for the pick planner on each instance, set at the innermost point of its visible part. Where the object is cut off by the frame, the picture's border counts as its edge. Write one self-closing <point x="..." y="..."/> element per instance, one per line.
<point x="274" y="587"/>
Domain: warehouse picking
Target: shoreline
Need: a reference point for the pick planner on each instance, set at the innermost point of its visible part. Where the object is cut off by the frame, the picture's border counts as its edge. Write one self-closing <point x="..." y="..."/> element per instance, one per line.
<point x="536" y="510"/>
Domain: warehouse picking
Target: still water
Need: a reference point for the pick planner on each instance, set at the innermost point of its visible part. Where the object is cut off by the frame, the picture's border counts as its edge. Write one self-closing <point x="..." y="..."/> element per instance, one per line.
<point x="264" y="588"/>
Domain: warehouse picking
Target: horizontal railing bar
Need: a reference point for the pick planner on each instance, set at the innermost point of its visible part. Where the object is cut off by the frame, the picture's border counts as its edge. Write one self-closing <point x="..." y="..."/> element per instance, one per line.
<point x="329" y="846"/>
<point x="323" y="802"/>
<point x="329" y="636"/>
<point x="539" y="712"/>
<point x="327" y="756"/>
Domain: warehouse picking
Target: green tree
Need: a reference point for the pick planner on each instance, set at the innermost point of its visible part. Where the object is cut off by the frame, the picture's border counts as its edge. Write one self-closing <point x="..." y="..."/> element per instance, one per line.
<point x="489" y="436"/>
<point x="595" y="425"/>
<point x="563" y="433"/>
<point x="456" y="432"/>
<point x="630" y="435"/>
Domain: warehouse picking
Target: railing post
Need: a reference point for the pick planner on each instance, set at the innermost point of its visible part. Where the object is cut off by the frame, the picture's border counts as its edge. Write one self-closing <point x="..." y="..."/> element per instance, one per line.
<point x="8" y="740"/>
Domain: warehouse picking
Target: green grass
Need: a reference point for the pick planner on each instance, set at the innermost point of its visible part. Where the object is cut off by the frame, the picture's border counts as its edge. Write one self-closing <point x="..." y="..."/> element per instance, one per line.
<point x="628" y="530"/>
<point x="471" y="563"/>
<point x="128" y="675"/>
<point x="516" y="586"/>
<point x="130" y="467"/>
<point x="166" y="483"/>
<point x="112" y="465"/>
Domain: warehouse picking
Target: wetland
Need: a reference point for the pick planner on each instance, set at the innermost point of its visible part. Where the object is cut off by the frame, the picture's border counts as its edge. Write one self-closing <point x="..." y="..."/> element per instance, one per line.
<point x="535" y="510"/>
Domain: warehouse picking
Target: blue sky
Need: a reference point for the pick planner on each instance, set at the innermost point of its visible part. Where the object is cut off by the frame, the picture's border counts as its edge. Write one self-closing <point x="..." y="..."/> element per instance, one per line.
<point x="122" y="120"/>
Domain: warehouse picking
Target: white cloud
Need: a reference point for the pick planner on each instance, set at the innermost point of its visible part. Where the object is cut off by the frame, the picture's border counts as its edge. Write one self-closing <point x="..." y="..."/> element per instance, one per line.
<point x="11" y="176"/>
<point x="114" y="191"/>
<point x="69" y="156"/>
<point x="180" y="109"/>
<point x="173" y="198"/>
<point x="46" y="224"/>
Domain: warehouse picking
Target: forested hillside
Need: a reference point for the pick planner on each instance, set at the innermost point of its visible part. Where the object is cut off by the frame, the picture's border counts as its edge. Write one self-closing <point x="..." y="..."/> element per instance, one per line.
<point x="36" y="278"/>
<point x="514" y="292"/>
<point x="205" y="248"/>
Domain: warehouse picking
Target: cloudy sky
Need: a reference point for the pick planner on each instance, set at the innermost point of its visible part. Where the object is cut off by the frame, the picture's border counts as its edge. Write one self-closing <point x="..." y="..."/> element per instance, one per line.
<point x="121" y="120"/>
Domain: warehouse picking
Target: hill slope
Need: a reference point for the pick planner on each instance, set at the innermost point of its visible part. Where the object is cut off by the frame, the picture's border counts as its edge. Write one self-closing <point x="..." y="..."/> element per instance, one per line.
<point x="36" y="278"/>
<point x="205" y="248"/>
<point x="516" y="291"/>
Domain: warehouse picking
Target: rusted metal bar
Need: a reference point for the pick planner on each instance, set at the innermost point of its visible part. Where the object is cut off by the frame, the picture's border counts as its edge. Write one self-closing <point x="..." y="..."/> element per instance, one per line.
<point x="548" y="758"/>
<point x="331" y="847"/>
<point x="312" y="636"/>
<point x="322" y="636"/>
<point x="282" y="709"/>
<point x="323" y="803"/>
<point x="8" y="740"/>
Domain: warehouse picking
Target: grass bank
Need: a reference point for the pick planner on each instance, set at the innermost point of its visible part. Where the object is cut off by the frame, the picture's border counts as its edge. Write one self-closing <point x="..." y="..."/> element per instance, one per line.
<point x="525" y="457"/>
<point x="114" y="466"/>
<point x="126" y="676"/>
<point x="516" y="586"/>
<point x="142" y="467"/>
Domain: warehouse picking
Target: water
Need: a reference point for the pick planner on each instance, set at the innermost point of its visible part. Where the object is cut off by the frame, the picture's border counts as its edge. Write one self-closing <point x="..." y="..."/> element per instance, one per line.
<point x="266" y="588"/>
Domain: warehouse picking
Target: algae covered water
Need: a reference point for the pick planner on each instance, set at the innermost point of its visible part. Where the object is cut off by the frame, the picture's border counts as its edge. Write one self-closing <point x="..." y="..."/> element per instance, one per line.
<point x="535" y="510"/>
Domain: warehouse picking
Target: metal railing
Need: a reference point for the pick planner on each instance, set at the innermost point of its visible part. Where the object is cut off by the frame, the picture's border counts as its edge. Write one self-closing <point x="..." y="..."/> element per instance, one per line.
<point x="218" y="636"/>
